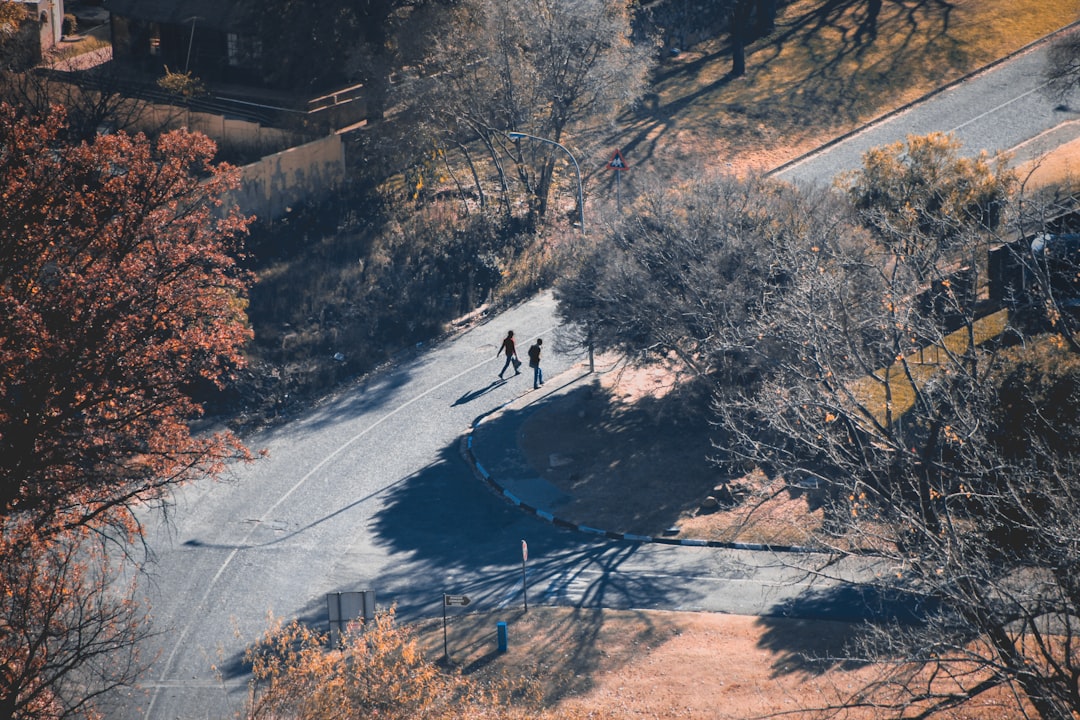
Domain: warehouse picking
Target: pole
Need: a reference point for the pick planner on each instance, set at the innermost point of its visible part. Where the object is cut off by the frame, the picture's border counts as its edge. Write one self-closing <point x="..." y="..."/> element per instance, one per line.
<point x="577" y="168"/>
<point x="191" y="40"/>
<point x="592" y="363"/>
<point x="445" y="652"/>
<point x="524" y="587"/>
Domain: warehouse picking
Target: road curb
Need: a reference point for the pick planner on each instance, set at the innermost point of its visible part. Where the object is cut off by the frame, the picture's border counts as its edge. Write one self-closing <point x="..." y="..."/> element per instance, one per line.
<point x="470" y="455"/>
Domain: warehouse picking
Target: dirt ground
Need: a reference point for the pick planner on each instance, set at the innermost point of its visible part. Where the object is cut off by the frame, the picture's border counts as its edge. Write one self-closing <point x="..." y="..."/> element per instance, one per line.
<point x="626" y="664"/>
<point x="653" y="664"/>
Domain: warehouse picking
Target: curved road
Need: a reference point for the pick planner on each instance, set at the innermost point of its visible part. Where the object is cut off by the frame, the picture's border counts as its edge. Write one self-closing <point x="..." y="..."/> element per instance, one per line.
<point x="369" y="491"/>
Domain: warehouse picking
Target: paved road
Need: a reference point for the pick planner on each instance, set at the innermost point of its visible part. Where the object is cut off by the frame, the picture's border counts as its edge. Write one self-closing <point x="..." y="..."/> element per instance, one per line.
<point x="371" y="491"/>
<point x="1002" y="108"/>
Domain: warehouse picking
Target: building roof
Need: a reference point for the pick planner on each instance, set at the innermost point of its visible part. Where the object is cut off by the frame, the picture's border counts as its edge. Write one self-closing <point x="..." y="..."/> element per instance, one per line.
<point x="223" y="15"/>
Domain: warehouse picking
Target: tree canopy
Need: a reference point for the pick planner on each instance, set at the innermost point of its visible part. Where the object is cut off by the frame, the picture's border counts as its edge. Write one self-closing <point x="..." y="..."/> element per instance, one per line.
<point x="539" y="67"/>
<point x="932" y="430"/>
<point x="119" y="293"/>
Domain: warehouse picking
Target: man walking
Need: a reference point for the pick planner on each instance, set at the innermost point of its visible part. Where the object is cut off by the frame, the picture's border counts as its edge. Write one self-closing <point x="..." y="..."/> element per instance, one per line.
<point x="511" y="354"/>
<point x="534" y="363"/>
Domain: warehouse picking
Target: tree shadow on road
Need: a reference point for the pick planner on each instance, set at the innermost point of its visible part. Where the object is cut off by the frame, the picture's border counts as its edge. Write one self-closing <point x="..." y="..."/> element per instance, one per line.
<point x="450" y="533"/>
<point x="817" y="632"/>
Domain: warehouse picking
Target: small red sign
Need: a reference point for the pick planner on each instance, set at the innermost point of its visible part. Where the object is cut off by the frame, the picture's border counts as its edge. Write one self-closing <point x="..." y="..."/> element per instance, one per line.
<point x="617" y="162"/>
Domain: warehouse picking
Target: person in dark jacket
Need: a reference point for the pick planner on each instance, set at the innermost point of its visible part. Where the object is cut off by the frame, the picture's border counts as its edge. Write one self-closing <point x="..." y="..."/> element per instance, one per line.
<point x="534" y="363"/>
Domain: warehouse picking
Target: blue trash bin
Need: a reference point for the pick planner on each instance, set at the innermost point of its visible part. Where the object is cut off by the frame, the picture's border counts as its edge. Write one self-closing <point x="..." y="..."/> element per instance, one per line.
<point x="501" y="627"/>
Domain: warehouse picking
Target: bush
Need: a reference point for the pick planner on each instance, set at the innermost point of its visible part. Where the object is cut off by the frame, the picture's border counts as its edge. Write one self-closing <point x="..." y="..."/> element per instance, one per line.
<point x="345" y="283"/>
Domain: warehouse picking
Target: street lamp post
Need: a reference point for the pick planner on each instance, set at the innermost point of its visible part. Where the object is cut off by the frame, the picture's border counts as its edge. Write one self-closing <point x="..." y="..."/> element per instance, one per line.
<point x="191" y="41"/>
<point x="514" y="135"/>
<point x="577" y="169"/>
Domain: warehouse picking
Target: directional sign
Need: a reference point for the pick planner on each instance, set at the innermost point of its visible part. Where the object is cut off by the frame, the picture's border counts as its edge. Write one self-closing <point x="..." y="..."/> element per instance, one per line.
<point x="452" y="600"/>
<point x="617" y="162"/>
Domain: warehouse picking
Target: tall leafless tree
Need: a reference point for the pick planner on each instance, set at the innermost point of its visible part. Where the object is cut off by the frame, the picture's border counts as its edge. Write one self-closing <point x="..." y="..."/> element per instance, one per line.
<point x="540" y="67"/>
<point x="934" y="433"/>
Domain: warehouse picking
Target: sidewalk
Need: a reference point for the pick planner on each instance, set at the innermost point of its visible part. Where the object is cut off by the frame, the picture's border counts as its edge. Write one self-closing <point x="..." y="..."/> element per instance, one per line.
<point x="493" y="448"/>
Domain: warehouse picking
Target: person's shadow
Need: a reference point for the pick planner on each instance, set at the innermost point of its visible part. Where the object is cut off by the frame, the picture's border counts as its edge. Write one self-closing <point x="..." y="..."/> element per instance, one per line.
<point x="473" y="394"/>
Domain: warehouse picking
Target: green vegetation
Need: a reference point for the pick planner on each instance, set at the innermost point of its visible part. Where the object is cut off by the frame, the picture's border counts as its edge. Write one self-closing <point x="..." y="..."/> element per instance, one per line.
<point x="182" y="84"/>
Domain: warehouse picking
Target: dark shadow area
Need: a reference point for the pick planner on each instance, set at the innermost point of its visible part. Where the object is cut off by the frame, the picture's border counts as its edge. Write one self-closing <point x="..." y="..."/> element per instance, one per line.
<point x="452" y="534"/>
<point x="567" y="645"/>
<point x="812" y="634"/>
<point x="638" y="467"/>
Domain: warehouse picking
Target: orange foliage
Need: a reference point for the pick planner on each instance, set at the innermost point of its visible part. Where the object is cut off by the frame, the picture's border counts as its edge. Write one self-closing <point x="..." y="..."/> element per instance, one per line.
<point x="119" y="291"/>
<point x="379" y="671"/>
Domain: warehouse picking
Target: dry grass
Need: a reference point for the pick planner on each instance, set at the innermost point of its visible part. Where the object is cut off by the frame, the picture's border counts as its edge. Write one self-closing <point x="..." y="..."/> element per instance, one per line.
<point x="821" y="72"/>
<point x="654" y="664"/>
<point x="1060" y="168"/>
<point x="922" y="365"/>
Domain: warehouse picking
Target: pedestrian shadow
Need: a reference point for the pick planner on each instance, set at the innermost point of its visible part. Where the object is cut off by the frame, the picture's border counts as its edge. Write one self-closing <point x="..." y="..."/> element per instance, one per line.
<point x="473" y="394"/>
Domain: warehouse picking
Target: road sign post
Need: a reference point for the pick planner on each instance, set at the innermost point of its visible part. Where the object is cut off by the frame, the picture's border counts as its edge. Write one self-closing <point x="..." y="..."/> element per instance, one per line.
<point x="447" y="601"/>
<point x="346" y="607"/>
<point x="618" y="164"/>
<point x="524" y="585"/>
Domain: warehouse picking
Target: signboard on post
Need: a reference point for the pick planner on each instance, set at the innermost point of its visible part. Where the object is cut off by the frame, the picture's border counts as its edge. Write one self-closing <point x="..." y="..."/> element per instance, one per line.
<point x="450" y="601"/>
<point x="618" y="164"/>
<point x="346" y="607"/>
<point x="524" y="585"/>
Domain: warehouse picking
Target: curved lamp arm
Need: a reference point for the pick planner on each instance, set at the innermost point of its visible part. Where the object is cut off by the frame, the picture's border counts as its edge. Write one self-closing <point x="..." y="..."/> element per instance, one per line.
<point x="515" y="136"/>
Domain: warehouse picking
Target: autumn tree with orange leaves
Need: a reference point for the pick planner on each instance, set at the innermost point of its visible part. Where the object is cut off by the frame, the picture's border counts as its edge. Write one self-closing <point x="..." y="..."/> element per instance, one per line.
<point x="119" y="291"/>
<point x="378" y="670"/>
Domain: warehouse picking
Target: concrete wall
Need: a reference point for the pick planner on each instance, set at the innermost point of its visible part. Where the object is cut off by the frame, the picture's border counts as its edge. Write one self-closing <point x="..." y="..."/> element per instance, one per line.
<point x="243" y="135"/>
<point x="50" y="16"/>
<point x="281" y="177"/>
<point x="277" y="181"/>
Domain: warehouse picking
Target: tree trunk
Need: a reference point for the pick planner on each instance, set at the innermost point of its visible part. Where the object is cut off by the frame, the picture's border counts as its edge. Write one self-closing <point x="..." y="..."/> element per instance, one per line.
<point x="1046" y="705"/>
<point x="543" y="189"/>
<point x="740" y="20"/>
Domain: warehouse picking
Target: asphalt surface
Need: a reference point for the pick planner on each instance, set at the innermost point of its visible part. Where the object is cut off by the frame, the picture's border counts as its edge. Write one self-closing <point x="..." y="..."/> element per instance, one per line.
<point x="372" y="491"/>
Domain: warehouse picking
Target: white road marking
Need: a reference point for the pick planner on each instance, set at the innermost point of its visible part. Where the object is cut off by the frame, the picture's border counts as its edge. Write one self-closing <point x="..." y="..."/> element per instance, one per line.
<point x="299" y="483"/>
